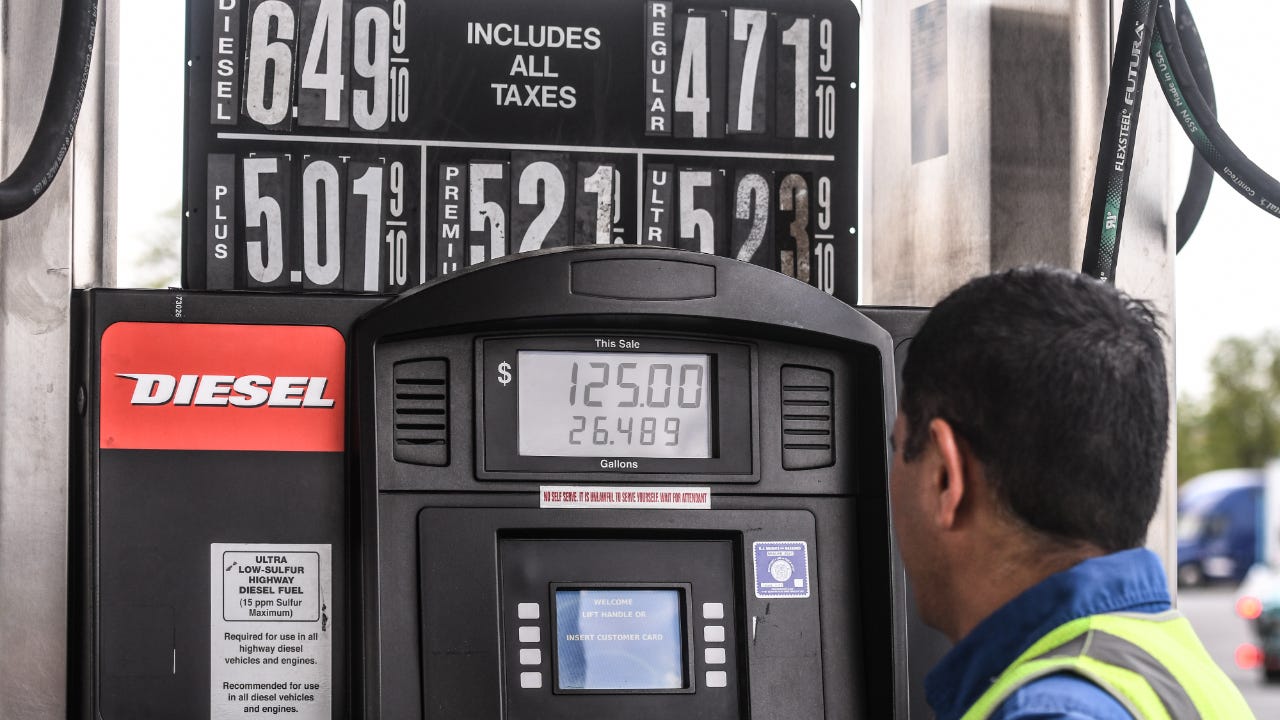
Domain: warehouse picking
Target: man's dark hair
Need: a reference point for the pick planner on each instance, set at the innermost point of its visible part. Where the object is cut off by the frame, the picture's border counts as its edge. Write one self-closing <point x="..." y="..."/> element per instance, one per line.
<point x="1056" y="382"/>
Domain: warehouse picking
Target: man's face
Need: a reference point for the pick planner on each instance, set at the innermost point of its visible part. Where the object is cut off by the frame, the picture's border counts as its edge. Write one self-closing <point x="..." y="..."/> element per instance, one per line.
<point x="908" y="497"/>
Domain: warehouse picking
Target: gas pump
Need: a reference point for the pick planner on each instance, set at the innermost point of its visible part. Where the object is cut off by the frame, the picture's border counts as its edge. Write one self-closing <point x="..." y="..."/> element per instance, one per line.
<point x="626" y="483"/>
<point x="599" y="481"/>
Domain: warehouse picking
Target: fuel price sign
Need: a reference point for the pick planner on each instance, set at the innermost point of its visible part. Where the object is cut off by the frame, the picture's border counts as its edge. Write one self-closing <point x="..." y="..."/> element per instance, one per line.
<point x="370" y="145"/>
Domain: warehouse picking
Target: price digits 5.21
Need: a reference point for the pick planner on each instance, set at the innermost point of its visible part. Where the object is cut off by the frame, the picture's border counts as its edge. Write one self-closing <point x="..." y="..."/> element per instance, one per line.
<point x="316" y="63"/>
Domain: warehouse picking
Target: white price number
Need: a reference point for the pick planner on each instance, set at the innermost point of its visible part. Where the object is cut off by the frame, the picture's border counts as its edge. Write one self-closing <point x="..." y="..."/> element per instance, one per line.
<point x="826" y="93"/>
<point x="375" y="34"/>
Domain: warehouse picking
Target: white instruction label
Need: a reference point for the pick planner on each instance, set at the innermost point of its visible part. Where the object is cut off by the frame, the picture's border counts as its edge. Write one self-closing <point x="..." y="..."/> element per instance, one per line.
<point x="616" y="497"/>
<point x="271" y="648"/>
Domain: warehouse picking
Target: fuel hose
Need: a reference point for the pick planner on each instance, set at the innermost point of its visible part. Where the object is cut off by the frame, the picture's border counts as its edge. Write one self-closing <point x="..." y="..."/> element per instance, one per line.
<point x="1200" y="122"/>
<point x="1200" y="177"/>
<point x="57" y="125"/>
<point x="1119" y="128"/>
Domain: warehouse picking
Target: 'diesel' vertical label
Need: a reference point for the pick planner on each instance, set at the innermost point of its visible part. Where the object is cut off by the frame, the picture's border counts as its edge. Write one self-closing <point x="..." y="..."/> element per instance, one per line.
<point x="270" y="631"/>
<point x="224" y="90"/>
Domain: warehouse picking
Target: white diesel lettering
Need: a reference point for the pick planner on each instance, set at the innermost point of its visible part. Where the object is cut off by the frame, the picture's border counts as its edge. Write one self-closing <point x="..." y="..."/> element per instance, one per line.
<point x="248" y="391"/>
<point x="152" y="389"/>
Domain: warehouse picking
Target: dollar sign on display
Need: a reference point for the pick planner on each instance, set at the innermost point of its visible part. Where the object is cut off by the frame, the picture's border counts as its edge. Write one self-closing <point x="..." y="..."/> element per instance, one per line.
<point x="504" y="373"/>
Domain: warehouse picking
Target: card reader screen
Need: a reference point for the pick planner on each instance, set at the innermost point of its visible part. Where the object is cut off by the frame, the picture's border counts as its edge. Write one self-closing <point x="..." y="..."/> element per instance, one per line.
<point x="644" y="405"/>
<point x="619" y="639"/>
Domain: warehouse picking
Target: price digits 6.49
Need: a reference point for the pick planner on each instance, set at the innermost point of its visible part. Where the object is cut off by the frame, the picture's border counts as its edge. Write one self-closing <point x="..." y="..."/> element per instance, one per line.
<point x="325" y="63"/>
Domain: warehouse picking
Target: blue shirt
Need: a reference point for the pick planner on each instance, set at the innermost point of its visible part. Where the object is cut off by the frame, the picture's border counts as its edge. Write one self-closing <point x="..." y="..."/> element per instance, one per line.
<point x="1127" y="581"/>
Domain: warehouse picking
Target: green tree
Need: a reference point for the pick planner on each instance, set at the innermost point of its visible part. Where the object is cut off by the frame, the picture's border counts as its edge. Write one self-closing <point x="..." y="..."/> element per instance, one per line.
<point x="1238" y="425"/>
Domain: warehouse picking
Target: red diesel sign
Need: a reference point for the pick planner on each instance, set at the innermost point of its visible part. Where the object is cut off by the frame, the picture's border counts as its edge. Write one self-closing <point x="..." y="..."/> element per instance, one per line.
<point x="168" y="386"/>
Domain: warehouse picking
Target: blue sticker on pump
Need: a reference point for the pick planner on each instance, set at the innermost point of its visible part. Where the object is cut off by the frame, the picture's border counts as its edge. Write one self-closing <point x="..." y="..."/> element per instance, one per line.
<point x="782" y="569"/>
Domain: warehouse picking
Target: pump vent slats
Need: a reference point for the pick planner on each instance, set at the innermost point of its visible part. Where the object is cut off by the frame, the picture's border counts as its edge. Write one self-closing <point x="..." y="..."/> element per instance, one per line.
<point x="808" y="411"/>
<point x="420" y="390"/>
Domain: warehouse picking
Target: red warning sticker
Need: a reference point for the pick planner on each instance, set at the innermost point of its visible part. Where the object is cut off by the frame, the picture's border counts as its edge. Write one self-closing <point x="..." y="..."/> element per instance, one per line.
<point x="168" y="386"/>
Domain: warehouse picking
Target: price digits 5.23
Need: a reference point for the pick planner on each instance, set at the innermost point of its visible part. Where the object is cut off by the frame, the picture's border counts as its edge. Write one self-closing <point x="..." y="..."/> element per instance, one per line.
<point x="638" y="405"/>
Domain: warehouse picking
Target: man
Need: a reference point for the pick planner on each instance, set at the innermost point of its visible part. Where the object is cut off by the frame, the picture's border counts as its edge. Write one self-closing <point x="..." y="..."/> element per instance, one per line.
<point x="1027" y="465"/>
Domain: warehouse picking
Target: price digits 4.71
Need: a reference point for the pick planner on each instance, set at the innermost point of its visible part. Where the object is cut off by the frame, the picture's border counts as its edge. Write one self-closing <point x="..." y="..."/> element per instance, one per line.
<point x="667" y="386"/>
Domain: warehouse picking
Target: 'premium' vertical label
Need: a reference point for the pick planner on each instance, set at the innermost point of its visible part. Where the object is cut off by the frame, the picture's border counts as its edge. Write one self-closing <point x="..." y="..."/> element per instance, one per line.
<point x="224" y="90"/>
<point x="451" y="208"/>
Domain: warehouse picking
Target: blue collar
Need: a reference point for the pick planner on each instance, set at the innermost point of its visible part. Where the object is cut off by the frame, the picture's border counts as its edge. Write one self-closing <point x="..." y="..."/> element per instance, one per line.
<point x="1127" y="581"/>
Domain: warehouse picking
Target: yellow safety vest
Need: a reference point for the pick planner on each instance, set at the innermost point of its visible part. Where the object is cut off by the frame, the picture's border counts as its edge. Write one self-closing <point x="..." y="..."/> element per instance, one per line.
<point x="1153" y="664"/>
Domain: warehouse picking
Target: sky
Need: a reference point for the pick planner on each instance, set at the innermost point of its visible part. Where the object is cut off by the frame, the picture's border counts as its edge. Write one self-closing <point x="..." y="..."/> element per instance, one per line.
<point x="1226" y="279"/>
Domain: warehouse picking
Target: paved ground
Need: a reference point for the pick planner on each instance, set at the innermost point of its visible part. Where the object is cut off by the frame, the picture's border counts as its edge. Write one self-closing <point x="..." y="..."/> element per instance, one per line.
<point x="1212" y="612"/>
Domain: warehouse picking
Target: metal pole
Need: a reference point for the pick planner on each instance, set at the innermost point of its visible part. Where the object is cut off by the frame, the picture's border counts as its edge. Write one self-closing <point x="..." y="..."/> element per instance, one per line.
<point x="36" y="276"/>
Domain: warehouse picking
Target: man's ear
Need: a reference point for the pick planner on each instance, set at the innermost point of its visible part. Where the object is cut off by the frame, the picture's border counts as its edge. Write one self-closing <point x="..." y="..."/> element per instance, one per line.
<point x="952" y="481"/>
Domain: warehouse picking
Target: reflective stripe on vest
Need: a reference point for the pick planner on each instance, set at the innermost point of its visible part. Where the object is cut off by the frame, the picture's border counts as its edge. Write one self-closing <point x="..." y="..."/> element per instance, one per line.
<point x="1152" y="664"/>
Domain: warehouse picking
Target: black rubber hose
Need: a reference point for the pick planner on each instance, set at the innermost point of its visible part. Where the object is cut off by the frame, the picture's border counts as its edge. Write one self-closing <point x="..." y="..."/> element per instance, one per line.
<point x="1200" y="177"/>
<point x="52" y="138"/>
<point x="1201" y="124"/>
<point x="1119" y="130"/>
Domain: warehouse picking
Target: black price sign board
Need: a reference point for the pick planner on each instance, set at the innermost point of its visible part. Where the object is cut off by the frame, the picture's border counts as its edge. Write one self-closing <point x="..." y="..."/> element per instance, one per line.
<point x="371" y="145"/>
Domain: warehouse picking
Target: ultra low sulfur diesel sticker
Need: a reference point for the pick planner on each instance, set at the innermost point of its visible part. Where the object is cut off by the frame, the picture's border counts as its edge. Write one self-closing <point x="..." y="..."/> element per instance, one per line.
<point x="270" y="644"/>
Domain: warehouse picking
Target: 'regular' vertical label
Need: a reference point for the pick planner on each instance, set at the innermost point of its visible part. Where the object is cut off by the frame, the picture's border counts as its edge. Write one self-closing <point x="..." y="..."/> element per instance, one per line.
<point x="489" y="199"/>
<point x="752" y="204"/>
<point x="658" y="31"/>
<point x="659" y="206"/>
<point x="220" y="234"/>
<point x="224" y="90"/>
<point x="324" y="55"/>
<point x="451" y="208"/>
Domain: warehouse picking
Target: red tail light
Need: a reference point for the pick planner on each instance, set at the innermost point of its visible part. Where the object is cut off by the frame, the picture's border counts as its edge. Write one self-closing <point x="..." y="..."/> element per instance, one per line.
<point x="1249" y="608"/>
<point x="1249" y="657"/>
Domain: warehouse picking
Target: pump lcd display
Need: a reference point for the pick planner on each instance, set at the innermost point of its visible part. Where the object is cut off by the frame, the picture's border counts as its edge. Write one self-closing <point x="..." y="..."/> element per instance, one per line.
<point x="645" y="405"/>
<point x="619" y="639"/>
